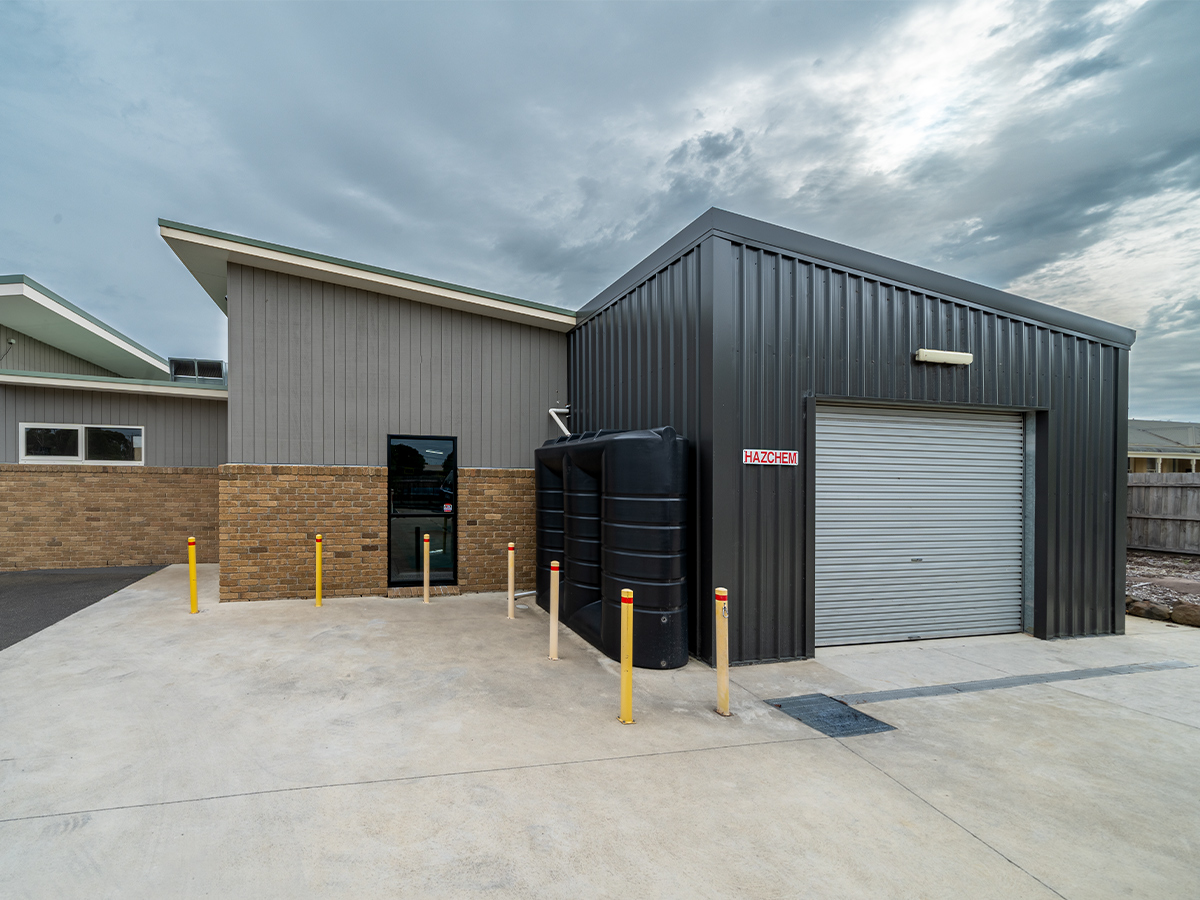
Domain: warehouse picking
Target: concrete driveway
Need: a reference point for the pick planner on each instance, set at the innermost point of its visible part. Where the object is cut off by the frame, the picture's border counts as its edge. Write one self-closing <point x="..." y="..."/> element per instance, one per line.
<point x="31" y="601"/>
<point x="387" y="748"/>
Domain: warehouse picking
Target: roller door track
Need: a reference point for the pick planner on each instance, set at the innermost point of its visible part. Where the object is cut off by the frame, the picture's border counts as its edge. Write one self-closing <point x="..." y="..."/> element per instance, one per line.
<point x="919" y="524"/>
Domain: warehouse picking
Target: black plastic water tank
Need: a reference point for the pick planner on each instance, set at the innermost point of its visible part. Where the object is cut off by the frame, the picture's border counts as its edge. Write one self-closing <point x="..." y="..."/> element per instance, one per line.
<point x="625" y="526"/>
<point x="548" y="516"/>
<point x="581" y="529"/>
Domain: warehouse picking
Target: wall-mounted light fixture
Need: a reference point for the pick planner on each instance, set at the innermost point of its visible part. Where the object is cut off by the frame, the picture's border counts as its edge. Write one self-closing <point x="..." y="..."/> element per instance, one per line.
<point x="945" y="357"/>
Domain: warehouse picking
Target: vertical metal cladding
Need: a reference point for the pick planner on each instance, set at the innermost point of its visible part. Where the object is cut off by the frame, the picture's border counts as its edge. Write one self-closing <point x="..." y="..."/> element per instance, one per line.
<point x="637" y="365"/>
<point x="801" y="328"/>
<point x="734" y="340"/>
<point x="624" y="527"/>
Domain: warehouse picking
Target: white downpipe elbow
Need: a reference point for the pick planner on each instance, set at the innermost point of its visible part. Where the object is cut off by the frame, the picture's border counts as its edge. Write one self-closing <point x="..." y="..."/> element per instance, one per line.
<point x="557" y="421"/>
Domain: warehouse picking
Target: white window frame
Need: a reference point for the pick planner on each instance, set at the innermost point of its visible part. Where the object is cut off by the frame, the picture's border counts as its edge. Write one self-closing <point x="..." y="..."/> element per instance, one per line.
<point x="81" y="459"/>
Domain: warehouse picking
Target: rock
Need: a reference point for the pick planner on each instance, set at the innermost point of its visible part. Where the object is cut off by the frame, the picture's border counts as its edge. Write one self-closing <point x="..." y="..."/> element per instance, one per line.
<point x="1148" y="610"/>
<point x="1186" y="614"/>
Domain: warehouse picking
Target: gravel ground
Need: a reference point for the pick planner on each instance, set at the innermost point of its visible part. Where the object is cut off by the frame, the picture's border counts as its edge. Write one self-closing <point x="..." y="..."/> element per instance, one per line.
<point x="1143" y="571"/>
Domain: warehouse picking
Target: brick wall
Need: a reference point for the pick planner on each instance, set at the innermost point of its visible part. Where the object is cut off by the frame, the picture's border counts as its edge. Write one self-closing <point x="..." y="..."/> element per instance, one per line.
<point x="495" y="506"/>
<point x="270" y="516"/>
<point x="55" y="517"/>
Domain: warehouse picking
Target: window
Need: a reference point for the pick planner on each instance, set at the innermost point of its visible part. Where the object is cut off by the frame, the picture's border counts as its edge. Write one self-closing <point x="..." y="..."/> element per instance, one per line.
<point x="106" y="445"/>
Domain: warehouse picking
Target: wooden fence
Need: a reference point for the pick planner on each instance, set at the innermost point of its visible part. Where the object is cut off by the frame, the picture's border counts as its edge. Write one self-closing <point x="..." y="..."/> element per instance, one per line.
<point x="1164" y="512"/>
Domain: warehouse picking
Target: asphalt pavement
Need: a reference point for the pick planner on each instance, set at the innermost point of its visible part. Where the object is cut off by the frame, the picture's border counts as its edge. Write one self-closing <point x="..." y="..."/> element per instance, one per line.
<point x="31" y="601"/>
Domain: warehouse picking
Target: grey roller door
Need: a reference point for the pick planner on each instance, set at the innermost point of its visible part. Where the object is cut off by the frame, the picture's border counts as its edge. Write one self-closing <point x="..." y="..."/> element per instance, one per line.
<point x="919" y="524"/>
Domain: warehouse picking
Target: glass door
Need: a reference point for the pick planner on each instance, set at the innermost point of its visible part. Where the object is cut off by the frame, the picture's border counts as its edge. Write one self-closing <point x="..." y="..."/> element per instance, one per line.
<point x="422" y="499"/>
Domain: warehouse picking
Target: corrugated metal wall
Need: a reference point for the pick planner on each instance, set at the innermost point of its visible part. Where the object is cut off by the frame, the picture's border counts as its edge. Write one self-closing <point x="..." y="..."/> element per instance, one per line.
<point x="637" y="364"/>
<point x="180" y="431"/>
<point x="31" y="355"/>
<point x="801" y="328"/>
<point x="777" y="331"/>
<point x="320" y="374"/>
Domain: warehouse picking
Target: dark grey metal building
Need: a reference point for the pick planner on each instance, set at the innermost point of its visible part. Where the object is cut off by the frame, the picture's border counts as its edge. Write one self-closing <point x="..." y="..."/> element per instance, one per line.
<point x="918" y="493"/>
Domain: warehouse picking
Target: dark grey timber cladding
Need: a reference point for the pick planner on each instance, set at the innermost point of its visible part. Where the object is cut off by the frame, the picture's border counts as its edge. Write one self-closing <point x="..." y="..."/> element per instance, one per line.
<point x="320" y="374"/>
<point x="734" y="330"/>
<point x="180" y="431"/>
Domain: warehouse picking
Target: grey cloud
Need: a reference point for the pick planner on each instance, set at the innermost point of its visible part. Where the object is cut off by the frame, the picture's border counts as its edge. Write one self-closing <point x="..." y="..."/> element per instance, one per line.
<point x="512" y="146"/>
<point x="1087" y="68"/>
<point x="1167" y="363"/>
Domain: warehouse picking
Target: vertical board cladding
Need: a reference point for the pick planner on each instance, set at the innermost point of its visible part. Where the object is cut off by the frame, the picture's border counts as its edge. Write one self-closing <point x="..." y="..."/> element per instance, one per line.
<point x="320" y="374"/>
<point x="732" y="342"/>
<point x="31" y="355"/>
<point x="639" y="363"/>
<point x="179" y="431"/>
<point x="80" y="516"/>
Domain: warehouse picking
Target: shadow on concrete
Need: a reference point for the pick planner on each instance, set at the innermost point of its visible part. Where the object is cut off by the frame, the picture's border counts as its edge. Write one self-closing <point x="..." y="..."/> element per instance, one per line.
<point x="31" y="601"/>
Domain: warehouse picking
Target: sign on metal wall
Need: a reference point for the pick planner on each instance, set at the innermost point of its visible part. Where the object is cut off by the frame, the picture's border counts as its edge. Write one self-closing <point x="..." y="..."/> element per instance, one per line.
<point x="770" y="457"/>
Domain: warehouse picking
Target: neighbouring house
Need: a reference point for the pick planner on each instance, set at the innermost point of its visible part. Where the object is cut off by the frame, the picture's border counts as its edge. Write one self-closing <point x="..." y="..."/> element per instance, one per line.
<point x="1163" y="447"/>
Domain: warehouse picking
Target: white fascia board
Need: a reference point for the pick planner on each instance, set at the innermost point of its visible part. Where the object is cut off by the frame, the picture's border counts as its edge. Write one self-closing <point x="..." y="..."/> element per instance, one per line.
<point x="26" y="309"/>
<point x="204" y="267"/>
<point x="66" y="383"/>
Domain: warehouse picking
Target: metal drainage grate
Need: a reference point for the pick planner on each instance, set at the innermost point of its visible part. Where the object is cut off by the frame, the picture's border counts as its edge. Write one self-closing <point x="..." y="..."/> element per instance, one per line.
<point x="830" y="716"/>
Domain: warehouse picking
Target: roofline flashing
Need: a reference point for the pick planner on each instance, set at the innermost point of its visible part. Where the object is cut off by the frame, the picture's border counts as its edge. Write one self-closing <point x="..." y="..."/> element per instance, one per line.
<point x="59" y="381"/>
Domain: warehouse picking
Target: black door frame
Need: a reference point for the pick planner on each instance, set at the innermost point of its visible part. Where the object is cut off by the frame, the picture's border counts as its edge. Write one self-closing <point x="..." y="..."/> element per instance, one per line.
<point x="453" y="514"/>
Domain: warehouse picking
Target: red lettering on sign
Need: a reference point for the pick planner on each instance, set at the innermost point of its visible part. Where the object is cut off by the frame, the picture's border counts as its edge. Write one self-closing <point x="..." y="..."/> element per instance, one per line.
<point x="770" y="457"/>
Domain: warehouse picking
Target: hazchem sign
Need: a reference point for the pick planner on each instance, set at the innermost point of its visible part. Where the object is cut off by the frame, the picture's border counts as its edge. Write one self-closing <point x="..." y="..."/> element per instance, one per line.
<point x="770" y="457"/>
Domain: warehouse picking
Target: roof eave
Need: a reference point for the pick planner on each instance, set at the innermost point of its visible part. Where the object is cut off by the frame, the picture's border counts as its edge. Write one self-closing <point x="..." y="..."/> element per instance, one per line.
<point x="207" y="254"/>
<point x="34" y="310"/>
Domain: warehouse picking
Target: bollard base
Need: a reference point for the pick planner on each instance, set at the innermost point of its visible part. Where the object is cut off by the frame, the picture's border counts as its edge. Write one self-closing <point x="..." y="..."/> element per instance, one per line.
<point x="723" y="714"/>
<point x="623" y="722"/>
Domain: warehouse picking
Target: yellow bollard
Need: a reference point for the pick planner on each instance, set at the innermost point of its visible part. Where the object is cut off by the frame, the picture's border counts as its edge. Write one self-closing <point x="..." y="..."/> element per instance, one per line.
<point x="320" y="543"/>
<point x="512" y="574"/>
<point x="192" y="571"/>
<point x="426" y="566"/>
<point x="626" y="716"/>
<point x="722" y="639"/>
<point x="554" y="609"/>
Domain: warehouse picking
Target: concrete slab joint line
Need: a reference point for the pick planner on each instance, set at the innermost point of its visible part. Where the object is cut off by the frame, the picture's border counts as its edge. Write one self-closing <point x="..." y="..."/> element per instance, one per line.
<point x="991" y="684"/>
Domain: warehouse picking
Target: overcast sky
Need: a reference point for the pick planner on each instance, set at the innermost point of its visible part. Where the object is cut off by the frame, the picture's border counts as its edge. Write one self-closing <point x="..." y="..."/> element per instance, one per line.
<point x="541" y="150"/>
